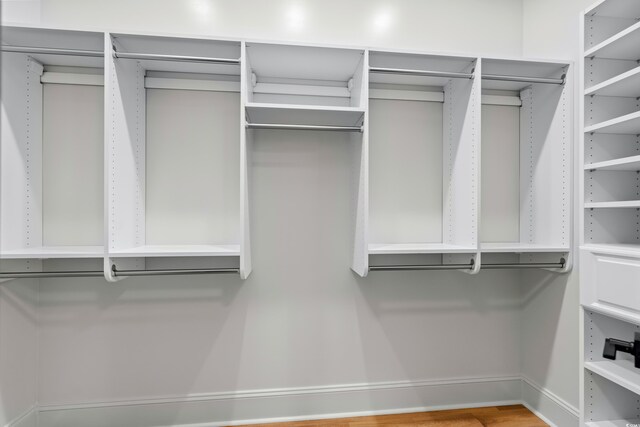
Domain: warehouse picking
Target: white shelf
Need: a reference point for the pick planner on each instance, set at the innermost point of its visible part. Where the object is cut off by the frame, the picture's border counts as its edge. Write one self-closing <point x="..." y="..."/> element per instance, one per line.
<point x="262" y="113"/>
<point x="623" y="45"/>
<point x="515" y="247"/>
<point x="47" y="252"/>
<point x="613" y="248"/>
<point x="621" y="372"/>
<point x="627" y="9"/>
<point x="628" y="124"/>
<point x="603" y="205"/>
<point x="418" y="248"/>
<point x="613" y="423"/>
<point x="626" y="84"/>
<point x="624" y="164"/>
<point x="177" y="251"/>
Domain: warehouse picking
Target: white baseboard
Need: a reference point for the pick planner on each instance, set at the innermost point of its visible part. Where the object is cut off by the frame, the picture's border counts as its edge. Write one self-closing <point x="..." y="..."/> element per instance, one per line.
<point x="548" y="406"/>
<point x="293" y="404"/>
<point x="261" y="406"/>
<point x="28" y="418"/>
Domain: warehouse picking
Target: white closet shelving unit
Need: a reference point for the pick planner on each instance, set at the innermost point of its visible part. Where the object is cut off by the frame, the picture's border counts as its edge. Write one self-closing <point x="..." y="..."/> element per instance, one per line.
<point x="610" y="241"/>
<point x="145" y="167"/>
<point x="173" y="105"/>
<point x="51" y="150"/>
<point x="424" y="148"/>
<point x="526" y="160"/>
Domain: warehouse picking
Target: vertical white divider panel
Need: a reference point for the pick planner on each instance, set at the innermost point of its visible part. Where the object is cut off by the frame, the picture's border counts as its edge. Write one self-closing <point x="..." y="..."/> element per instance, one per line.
<point x="21" y="153"/>
<point x="461" y="162"/>
<point x="546" y="164"/>
<point x="124" y="154"/>
<point x="245" y="165"/>
<point x="360" y="143"/>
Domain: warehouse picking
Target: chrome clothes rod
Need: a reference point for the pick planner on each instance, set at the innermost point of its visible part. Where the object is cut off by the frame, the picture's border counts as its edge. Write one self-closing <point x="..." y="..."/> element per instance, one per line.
<point x="120" y="273"/>
<point x="522" y="79"/>
<point x="424" y="73"/>
<point x="524" y="265"/>
<point x="304" y="127"/>
<point x="49" y="274"/>
<point x="560" y="264"/>
<point x="175" y="58"/>
<point x="421" y="267"/>
<point x="175" y="272"/>
<point x="52" y="51"/>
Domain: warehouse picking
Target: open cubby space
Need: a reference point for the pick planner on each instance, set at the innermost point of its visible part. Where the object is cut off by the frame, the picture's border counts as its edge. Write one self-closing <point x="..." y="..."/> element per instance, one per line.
<point x="303" y="85"/>
<point x="51" y="194"/>
<point x="612" y="115"/>
<point x="611" y="387"/>
<point x="423" y="155"/>
<point x="610" y="27"/>
<point x="174" y="148"/>
<point x="608" y="404"/>
<point x="612" y="226"/>
<point x="603" y="185"/>
<point x="526" y="157"/>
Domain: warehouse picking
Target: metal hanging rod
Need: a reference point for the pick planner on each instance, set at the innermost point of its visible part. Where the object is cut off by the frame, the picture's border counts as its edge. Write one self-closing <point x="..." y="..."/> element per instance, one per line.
<point x="522" y="79"/>
<point x="49" y="274"/>
<point x="174" y="272"/>
<point x="121" y="273"/>
<point x="424" y="73"/>
<point x="561" y="264"/>
<point x="175" y="58"/>
<point x="304" y="127"/>
<point x="52" y="51"/>
<point x="421" y="267"/>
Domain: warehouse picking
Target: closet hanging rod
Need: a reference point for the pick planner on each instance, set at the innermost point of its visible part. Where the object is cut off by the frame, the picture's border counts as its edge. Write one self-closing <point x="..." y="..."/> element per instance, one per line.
<point x="175" y="58"/>
<point x="52" y="51"/>
<point x="560" y="264"/>
<point x="421" y="267"/>
<point x="304" y="127"/>
<point x="120" y="273"/>
<point x="524" y="79"/>
<point x="424" y="73"/>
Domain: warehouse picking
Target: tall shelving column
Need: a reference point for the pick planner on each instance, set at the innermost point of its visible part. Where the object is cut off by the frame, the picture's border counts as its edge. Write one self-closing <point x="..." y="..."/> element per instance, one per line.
<point x="610" y="214"/>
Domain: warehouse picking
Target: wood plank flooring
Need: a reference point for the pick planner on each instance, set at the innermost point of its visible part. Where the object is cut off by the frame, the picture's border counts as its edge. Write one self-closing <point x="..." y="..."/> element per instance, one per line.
<point x="494" y="416"/>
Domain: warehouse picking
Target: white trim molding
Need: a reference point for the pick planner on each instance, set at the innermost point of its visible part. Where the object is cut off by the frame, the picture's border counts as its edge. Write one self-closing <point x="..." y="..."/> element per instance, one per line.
<point x="29" y="418"/>
<point x="274" y="405"/>
<point x="548" y="406"/>
<point x="311" y="403"/>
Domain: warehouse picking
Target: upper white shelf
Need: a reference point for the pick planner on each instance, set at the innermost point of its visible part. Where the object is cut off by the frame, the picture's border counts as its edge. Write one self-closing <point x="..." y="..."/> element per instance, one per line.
<point x="416" y="70"/>
<point x="626" y="84"/>
<point x="517" y="68"/>
<point x="179" y="54"/>
<point x="616" y="9"/>
<point x="628" y="124"/>
<point x="621" y="204"/>
<point x="57" y="39"/>
<point x="623" y="45"/>
<point x="621" y="372"/>
<point x="418" y="248"/>
<point x="177" y="251"/>
<point x="50" y="252"/>
<point x="515" y="247"/>
<point x="625" y="164"/>
<point x="320" y="115"/>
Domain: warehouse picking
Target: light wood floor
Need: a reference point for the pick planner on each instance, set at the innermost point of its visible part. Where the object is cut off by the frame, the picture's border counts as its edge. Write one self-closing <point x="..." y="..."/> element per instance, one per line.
<point x="494" y="416"/>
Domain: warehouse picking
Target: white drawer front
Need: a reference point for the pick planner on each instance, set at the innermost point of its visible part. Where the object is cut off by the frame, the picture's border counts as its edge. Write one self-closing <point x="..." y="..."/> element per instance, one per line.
<point x="617" y="281"/>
